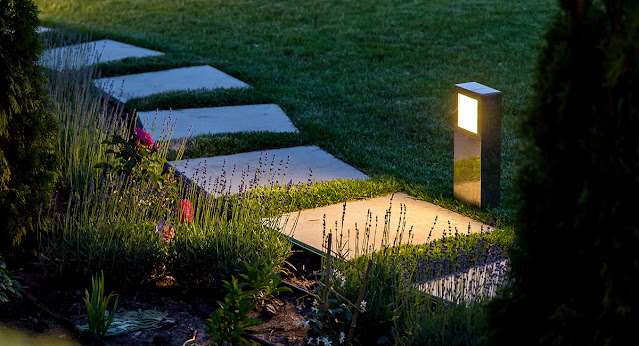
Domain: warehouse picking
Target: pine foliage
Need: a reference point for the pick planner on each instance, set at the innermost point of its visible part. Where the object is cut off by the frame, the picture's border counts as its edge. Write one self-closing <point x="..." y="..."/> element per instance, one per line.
<point x="575" y="256"/>
<point x="28" y="129"/>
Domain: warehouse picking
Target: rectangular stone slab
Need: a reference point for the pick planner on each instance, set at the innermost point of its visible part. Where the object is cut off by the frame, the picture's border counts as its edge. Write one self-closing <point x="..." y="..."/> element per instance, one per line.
<point x="42" y="29"/>
<point x="127" y="87"/>
<point x="428" y="222"/>
<point x="472" y="284"/>
<point x="304" y="164"/>
<point x="89" y="53"/>
<point x="212" y="120"/>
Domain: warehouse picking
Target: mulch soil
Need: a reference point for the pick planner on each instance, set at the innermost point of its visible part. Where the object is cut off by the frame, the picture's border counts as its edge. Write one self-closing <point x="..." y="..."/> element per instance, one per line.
<point x="187" y="309"/>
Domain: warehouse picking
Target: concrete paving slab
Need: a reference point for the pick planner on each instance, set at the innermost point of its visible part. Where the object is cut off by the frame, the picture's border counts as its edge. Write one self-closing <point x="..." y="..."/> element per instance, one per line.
<point x="263" y="168"/>
<point x="89" y="53"/>
<point x="469" y="285"/>
<point x="266" y="117"/>
<point x="372" y="217"/>
<point x="127" y="87"/>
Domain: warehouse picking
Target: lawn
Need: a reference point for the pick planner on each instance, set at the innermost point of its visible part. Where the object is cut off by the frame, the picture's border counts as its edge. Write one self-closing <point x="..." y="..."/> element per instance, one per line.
<point x="370" y="81"/>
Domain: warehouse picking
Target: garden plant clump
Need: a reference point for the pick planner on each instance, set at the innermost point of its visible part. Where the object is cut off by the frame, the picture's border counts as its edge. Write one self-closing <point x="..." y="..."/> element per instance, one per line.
<point x="402" y="301"/>
<point x="128" y="214"/>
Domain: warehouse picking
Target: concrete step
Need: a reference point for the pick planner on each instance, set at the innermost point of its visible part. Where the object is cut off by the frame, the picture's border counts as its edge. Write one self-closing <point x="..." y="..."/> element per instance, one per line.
<point x="363" y="226"/>
<point x="263" y="168"/>
<point x="480" y="282"/>
<point x="265" y="117"/>
<point x="89" y="53"/>
<point x="127" y="87"/>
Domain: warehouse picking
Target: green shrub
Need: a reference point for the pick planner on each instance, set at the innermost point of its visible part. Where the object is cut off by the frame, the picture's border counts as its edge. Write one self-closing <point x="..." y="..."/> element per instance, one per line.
<point x="8" y="285"/>
<point x="28" y="129"/>
<point x="576" y="239"/>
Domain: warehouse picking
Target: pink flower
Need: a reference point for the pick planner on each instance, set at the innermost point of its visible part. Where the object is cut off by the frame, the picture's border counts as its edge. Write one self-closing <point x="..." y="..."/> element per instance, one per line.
<point x="186" y="211"/>
<point x="143" y="137"/>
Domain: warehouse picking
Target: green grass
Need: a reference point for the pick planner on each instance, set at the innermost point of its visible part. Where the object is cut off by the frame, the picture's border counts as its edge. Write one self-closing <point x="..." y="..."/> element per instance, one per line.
<point x="370" y="81"/>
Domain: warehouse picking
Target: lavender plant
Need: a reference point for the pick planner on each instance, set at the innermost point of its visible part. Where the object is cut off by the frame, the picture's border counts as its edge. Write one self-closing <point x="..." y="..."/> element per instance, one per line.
<point x="85" y="116"/>
<point x="140" y="222"/>
<point x="406" y="280"/>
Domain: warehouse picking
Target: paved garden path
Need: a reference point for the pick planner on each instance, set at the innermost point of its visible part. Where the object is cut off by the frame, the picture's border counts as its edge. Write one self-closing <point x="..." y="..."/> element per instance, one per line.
<point x="358" y="226"/>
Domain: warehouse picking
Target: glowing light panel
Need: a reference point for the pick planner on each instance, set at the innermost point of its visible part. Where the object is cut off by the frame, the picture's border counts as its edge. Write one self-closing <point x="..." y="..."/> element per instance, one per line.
<point x="467" y="118"/>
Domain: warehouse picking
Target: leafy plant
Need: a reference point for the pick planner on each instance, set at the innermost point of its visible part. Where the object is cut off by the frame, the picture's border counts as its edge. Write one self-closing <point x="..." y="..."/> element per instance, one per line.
<point x="329" y="326"/>
<point x="264" y="280"/>
<point x="8" y="285"/>
<point x="136" y="157"/>
<point x="96" y="303"/>
<point x="230" y="322"/>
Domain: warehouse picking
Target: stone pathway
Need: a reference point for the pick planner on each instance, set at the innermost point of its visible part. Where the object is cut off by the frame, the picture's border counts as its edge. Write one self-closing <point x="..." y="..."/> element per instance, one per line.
<point x="212" y="120"/>
<point x="358" y="227"/>
<point x="85" y="54"/>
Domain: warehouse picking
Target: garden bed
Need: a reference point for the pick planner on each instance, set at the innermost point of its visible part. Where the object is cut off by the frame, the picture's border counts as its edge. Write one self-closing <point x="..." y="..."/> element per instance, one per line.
<point x="186" y="308"/>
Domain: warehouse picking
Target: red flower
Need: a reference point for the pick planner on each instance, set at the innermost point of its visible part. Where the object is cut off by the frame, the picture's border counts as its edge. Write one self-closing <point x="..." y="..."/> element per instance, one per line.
<point x="186" y="211"/>
<point x="143" y="137"/>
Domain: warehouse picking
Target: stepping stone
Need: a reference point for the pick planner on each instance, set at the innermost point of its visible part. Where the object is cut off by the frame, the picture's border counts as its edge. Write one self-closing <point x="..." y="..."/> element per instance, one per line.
<point x="307" y="163"/>
<point x="469" y="285"/>
<point x="127" y="87"/>
<point x="42" y="29"/>
<point x="428" y="222"/>
<point x="89" y="53"/>
<point x="267" y="117"/>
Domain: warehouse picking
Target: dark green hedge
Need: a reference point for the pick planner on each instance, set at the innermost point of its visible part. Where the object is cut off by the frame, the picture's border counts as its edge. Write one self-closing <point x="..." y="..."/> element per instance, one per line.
<point x="577" y="238"/>
<point x="28" y="130"/>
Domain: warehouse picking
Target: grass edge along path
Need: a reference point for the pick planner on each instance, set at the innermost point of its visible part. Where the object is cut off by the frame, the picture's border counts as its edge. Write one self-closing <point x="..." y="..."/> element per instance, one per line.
<point x="370" y="82"/>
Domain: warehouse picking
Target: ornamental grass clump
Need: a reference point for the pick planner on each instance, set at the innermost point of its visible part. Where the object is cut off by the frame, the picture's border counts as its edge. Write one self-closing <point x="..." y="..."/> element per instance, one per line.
<point x="125" y="211"/>
<point x="85" y="117"/>
<point x="404" y="294"/>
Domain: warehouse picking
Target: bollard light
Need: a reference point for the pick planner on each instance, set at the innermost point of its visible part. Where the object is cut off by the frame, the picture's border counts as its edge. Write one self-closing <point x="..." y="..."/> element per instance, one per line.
<point x="477" y="157"/>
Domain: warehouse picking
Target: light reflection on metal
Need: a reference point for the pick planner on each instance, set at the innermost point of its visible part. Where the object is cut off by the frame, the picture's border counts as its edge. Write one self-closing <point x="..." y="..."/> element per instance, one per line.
<point x="477" y="156"/>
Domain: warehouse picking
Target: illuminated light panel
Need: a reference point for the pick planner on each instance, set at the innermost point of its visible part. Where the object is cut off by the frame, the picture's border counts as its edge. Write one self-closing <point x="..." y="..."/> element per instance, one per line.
<point x="467" y="118"/>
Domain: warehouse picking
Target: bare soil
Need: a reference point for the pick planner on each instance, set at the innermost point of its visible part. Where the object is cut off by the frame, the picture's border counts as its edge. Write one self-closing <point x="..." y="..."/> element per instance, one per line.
<point x="187" y="309"/>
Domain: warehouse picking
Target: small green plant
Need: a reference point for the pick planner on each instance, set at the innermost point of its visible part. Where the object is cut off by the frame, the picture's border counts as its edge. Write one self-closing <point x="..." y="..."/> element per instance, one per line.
<point x="329" y="326"/>
<point x="137" y="157"/>
<point x="96" y="303"/>
<point x="230" y="323"/>
<point x="264" y="280"/>
<point x="8" y="285"/>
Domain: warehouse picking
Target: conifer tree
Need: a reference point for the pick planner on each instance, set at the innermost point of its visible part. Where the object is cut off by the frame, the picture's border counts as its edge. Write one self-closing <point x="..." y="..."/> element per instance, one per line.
<point x="576" y="255"/>
<point x="28" y="129"/>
